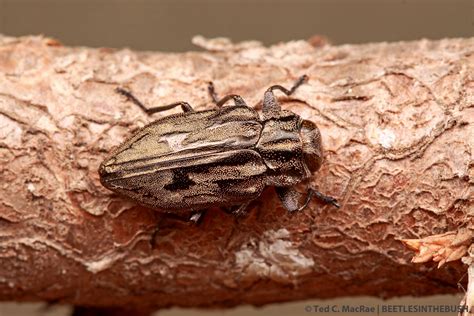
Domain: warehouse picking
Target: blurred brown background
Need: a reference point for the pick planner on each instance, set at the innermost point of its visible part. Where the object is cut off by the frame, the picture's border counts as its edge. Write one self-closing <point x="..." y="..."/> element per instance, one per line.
<point x="168" y="25"/>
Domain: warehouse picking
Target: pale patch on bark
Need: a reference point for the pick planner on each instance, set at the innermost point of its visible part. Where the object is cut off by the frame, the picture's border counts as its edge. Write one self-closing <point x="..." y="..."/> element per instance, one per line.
<point x="441" y="248"/>
<point x="274" y="257"/>
<point x="10" y="132"/>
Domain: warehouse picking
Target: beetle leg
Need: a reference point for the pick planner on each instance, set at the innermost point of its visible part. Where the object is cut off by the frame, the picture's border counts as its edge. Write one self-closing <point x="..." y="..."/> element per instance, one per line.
<point x="270" y="102"/>
<point x="324" y="198"/>
<point x="289" y="198"/>
<point x="237" y="210"/>
<point x="212" y="92"/>
<point x="184" y="105"/>
<point x="295" y="86"/>
<point x="241" y="210"/>
<point x="197" y="217"/>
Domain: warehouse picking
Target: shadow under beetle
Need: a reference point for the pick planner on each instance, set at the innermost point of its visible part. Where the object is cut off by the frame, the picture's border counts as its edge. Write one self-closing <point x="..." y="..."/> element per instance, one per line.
<point x="190" y="161"/>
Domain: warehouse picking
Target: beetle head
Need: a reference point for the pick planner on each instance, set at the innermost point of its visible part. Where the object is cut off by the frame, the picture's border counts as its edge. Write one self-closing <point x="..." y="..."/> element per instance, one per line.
<point x="312" y="150"/>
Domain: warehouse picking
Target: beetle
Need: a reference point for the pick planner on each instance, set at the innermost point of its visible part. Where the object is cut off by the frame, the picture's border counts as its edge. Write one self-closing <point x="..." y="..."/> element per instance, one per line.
<point x="185" y="163"/>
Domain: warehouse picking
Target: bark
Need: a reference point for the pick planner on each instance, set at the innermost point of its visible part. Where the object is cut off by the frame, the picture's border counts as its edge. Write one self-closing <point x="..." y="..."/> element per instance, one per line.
<point x="397" y="124"/>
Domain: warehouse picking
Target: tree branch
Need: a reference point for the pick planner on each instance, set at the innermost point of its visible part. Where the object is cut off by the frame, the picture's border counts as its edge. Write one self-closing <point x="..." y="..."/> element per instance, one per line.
<point x="397" y="122"/>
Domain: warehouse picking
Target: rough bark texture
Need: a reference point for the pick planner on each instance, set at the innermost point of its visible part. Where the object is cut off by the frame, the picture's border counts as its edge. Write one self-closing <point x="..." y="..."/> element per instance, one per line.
<point x="398" y="130"/>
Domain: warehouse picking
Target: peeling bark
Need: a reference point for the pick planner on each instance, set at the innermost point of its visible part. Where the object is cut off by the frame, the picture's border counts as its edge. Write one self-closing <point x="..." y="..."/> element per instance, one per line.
<point x="397" y="122"/>
<point x="442" y="248"/>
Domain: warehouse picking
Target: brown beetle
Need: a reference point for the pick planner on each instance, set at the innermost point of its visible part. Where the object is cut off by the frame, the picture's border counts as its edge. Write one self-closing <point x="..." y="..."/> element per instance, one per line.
<point x="221" y="157"/>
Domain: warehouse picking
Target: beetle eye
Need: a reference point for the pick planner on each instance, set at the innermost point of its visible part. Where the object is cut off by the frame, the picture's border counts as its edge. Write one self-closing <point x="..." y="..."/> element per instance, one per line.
<point x="312" y="150"/>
